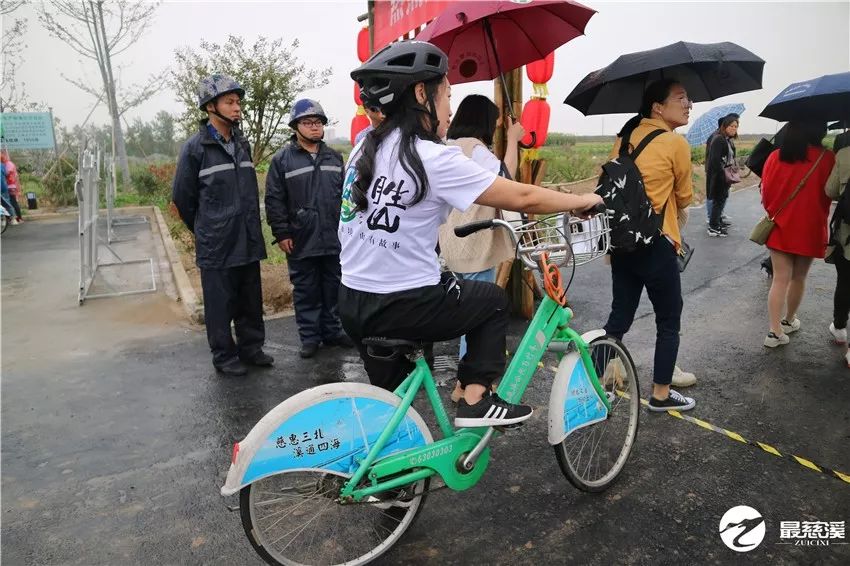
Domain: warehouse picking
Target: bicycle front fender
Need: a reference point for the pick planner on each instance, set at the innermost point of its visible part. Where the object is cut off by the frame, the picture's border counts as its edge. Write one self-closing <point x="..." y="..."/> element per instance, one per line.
<point x="328" y="428"/>
<point x="573" y="403"/>
<point x="592" y="335"/>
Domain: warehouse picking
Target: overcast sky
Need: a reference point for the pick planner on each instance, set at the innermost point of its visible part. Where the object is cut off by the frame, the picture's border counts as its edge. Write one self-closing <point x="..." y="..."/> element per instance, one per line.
<point x="799" y="40"/>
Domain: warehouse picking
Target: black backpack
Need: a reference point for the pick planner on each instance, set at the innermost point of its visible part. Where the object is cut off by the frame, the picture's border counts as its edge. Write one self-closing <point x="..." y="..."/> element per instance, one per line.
<point x="841" y="214"/>
<point x="634" y="223"/>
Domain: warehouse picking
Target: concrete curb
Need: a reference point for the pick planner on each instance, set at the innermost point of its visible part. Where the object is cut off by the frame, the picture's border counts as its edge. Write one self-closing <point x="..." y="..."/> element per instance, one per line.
<point x="74" y="211"/>
<point x="185" y="290"/>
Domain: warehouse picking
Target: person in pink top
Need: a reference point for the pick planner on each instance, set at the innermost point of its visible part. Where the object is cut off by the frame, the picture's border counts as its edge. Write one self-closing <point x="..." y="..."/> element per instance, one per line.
<point x="800" y="234"/>
<point x="14" y="185"/>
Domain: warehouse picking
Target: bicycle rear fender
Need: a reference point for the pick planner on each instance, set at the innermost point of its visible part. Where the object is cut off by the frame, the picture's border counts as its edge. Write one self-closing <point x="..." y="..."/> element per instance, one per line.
<point x="573" y="403"/>
<point x="329" y="428"/>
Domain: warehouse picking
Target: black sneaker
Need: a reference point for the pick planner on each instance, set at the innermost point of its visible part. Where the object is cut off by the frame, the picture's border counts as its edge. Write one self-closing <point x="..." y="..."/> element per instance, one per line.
<point x="674" y="402"/>
<point x="717" y="232"/>
<point x="491" y="410"/>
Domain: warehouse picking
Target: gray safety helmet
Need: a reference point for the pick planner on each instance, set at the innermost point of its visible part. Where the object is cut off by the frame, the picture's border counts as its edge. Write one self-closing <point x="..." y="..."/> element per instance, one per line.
<point x="213" y="86"/>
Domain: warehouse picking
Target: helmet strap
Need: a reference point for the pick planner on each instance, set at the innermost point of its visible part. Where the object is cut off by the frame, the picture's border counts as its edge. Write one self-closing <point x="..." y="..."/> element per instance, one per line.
<point x="432" y="111"/>
<point x="305" y="139"/>
<point x="230" y="122"/>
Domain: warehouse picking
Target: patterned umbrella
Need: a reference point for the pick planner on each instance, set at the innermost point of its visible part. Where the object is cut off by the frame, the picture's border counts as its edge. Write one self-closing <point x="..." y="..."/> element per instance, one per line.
<point x="706" y="124"/>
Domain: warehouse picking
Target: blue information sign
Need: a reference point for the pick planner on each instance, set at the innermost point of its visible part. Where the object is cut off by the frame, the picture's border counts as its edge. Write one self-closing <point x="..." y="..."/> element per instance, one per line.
<point x="26" y="130"/>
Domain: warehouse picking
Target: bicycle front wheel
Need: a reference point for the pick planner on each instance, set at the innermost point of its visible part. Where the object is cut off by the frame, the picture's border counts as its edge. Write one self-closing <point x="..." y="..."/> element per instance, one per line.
<point x="592" y="457"/>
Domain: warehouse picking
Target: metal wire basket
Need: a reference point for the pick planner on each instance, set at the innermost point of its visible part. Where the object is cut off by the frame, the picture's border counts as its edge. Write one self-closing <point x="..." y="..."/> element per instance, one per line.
<point x="568" y="240"/>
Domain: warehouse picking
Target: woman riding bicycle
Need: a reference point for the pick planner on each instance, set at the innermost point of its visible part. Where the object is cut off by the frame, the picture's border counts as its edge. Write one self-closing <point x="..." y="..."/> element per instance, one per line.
<point x="401" y="184"/>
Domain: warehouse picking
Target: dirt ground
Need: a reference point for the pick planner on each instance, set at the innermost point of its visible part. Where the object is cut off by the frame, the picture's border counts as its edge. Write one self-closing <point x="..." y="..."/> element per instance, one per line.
<point x="277" y="290"/>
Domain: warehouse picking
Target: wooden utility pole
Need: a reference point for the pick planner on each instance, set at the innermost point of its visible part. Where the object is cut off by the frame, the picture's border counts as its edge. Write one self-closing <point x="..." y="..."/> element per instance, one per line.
<point x="517" y="281"/>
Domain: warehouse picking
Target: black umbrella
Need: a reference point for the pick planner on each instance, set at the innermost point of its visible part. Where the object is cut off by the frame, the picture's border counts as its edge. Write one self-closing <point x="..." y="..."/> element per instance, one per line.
<point x="824" y="98"/>
<point x="839" y="125"/>
<point x="706" y="70"/>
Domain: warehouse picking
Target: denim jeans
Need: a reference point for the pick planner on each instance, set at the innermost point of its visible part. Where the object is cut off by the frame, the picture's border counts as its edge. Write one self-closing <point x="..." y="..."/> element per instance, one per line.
<point x="488" y="275"/>
<point x="656" y="268"/>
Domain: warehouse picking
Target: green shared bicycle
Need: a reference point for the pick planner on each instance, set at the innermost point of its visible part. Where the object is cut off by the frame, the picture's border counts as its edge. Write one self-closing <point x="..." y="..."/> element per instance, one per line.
<point x="337" y="473"/>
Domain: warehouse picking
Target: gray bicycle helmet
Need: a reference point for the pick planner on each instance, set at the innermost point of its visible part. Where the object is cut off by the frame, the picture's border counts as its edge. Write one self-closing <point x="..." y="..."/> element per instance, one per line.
<point x="390" y="71"/>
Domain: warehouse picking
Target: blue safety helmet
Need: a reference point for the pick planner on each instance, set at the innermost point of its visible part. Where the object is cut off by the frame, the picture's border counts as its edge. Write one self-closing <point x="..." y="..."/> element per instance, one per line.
<point x="306" y="108"/>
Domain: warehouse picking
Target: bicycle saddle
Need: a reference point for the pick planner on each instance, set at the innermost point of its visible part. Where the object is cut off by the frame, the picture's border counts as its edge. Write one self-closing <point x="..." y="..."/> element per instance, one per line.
<point x="397" y="345"/>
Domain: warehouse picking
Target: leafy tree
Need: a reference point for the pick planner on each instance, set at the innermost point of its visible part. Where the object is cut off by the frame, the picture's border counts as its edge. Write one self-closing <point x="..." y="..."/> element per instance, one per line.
<point x="163" y="133"/>
<point x="271" y="74"/>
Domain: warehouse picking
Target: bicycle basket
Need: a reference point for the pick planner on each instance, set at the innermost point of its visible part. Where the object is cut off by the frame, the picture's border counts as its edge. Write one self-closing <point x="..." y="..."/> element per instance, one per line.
<point x="568" y="240"/>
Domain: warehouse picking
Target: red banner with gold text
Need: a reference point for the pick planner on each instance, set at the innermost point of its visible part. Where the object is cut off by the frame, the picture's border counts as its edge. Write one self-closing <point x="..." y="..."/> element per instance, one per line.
<point x="394" y="18"/>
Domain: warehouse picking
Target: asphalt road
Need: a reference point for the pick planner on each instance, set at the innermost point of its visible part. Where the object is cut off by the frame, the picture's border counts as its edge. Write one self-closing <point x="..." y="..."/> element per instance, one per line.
<point x="115" y="441"/>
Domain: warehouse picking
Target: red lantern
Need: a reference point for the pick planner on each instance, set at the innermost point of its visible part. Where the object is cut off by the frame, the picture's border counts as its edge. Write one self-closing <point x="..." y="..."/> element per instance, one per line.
<point x="357" y="100"/>
<point x="363" y="45"/>
<point x="541" y="71"/>
<point x="535" y="118"/>
<point x="359" y="122"/>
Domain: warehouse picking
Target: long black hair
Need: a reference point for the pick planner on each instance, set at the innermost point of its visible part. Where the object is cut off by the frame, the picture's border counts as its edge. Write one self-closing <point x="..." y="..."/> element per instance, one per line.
<point x="799" y="136"/>
<point x="476" y="117"/>
<point x="406" y="116"/>
<point x="656" y="91"/>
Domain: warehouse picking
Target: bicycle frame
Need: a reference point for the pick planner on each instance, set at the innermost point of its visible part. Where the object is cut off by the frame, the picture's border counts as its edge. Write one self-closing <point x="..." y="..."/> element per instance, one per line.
<point x="444" y="456"/>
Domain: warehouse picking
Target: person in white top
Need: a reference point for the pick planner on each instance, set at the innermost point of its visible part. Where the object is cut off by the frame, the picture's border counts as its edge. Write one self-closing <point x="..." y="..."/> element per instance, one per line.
<point x="477" y="256"/>
<point x="401" y="183"/>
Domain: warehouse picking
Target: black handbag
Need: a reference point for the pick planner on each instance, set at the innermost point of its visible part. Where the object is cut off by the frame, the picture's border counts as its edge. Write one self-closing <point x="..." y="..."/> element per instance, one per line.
<point x="684" y="255"/>
<point x="759" y="154"/>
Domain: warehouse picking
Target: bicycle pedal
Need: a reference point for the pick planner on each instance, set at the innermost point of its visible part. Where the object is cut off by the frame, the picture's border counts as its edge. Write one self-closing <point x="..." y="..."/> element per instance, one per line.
<point x="509" y="427"/>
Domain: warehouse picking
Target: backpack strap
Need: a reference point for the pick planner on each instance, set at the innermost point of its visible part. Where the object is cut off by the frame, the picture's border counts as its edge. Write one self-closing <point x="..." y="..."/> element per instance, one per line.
<point x="644" y="142"/>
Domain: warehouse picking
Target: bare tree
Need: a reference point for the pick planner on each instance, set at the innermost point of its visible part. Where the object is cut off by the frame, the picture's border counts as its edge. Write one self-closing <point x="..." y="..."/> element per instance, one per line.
<point x="11" y="43"/>
<point x="101" y="30"/>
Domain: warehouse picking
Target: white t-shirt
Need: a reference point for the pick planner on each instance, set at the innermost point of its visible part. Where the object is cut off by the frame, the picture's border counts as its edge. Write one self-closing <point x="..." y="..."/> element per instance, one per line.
<point x="483" y="157"/>
<point x="391" y="246"/>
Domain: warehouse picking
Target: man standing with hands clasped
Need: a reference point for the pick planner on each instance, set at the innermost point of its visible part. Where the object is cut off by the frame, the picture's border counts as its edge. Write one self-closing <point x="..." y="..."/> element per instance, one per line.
<point x="303" y="200"/>
<point x="215" y="191"/>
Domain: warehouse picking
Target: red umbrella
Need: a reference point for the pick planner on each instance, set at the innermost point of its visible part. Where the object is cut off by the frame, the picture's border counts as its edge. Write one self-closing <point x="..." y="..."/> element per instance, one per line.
<point x="483" y="39"/>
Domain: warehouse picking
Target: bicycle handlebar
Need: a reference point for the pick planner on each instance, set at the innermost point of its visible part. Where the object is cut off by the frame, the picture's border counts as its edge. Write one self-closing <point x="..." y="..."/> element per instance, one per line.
<point x="467" y="229"/>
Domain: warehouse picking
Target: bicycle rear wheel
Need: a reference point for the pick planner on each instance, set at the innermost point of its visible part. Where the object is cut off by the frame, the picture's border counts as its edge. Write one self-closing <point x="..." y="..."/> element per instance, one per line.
<point x="743" y="170"/>
<point x="294" y="517"/>
<point x="592" y="457"/>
